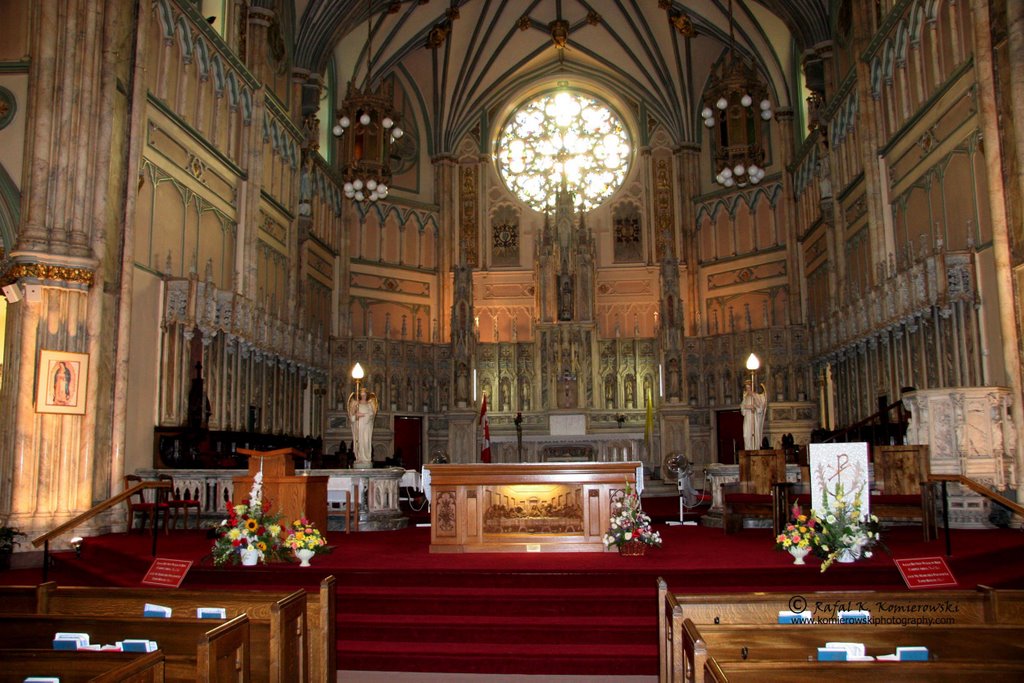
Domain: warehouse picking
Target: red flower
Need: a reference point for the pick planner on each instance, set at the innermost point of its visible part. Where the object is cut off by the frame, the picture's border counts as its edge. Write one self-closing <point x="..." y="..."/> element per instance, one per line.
<point x="237" y="542"/>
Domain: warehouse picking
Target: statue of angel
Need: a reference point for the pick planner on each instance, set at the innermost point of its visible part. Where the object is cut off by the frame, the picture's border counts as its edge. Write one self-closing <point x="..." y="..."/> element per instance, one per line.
<point x="361" y="412"/>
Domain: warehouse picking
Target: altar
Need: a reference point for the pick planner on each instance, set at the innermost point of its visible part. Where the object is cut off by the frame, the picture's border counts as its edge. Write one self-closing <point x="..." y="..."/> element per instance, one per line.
<point x="524" y="507"/>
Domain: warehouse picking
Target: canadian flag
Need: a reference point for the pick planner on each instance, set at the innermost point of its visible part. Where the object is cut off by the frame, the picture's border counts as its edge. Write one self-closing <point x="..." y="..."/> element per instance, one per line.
<point x="485" y="447"/>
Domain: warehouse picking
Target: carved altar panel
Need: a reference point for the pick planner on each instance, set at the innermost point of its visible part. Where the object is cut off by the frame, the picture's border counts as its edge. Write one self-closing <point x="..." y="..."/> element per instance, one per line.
<point x="526" y="507"/>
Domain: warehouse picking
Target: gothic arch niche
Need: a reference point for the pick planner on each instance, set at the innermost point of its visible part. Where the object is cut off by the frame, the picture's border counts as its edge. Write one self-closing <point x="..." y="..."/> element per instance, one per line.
<point x="505" y="241"/>
<point x="628" y="243"/>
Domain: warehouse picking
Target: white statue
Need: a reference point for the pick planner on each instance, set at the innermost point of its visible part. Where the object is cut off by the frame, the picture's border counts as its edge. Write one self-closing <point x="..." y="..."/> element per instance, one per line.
<point x="361" y="412"/>
<point x="753" y="408"/>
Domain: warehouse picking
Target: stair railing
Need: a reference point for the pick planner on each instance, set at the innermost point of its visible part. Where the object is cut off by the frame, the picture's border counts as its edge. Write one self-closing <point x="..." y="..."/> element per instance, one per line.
<point x="879" y="418"/>
<point x="116" y="499"/>
<point x="978" y="488"/>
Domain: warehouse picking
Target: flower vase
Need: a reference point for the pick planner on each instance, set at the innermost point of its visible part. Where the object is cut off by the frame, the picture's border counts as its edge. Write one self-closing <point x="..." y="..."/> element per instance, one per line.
<point x="250" y="556"/>
<point x="847" y="556"/>
<point x="798" y="554"/>
<point x="304" y="555"/>
<point x="633" y="548"/>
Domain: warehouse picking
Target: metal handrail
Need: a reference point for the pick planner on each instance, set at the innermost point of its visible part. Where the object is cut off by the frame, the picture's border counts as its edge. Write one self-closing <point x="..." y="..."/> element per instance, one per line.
<point x="980" y="489"/>
<point x="44" y="540"/>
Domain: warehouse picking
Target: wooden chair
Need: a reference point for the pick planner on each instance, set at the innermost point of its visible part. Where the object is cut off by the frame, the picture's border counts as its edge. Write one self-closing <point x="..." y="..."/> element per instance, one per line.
<point x="343" y="494"/>
<point x="138" y="504"/>
<point x="755" y="495"/>
<point x="901" y="490"/>
<point x="177" y="502"/>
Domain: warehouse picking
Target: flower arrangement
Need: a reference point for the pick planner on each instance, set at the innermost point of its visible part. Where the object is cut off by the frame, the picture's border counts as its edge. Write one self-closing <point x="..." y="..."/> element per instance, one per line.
<point x="630" y="523"/>
<point x="249" y="525"/>
<point x="305" y="536"/>
<point x="843" y="531"/>
<point x="800" y="532"/>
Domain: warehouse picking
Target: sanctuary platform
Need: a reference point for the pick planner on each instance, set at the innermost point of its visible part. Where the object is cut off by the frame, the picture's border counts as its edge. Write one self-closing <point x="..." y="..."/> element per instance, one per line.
<point x="402" y="608"/>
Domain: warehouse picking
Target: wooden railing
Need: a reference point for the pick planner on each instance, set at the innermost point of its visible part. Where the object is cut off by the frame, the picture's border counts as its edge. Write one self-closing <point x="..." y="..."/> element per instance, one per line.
<point x="980" y="489"/>
<point x="878" y="419"/>
<point x="44" y="540"/>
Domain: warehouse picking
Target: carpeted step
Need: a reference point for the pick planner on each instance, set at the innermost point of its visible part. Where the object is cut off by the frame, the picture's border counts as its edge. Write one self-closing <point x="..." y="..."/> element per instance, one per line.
<point x="501" y="658"/>
<point x="496" y="579"/>
<point x="479" y="602"/>
<point x="568" y="630"/>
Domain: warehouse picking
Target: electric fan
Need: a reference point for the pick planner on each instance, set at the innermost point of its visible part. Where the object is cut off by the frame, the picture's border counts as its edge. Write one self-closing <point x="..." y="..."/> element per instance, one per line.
<point x="689" y="497"/>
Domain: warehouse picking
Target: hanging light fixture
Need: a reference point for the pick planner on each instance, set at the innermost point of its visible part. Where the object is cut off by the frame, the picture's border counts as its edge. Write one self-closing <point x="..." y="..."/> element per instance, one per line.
<point x="735" y="104"/>
<point x="367" y="127"/>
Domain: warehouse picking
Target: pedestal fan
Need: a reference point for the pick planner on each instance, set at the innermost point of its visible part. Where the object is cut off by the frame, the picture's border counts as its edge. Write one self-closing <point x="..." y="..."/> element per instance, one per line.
<point x="689" y="497"/>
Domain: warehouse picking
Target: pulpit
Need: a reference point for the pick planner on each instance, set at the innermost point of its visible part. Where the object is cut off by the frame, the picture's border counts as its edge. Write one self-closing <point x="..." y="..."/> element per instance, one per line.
<point x="290" y="495"/>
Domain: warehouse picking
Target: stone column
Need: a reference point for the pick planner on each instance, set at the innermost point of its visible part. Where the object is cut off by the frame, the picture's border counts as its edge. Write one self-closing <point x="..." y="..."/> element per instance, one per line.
<point x="989" y="120"/>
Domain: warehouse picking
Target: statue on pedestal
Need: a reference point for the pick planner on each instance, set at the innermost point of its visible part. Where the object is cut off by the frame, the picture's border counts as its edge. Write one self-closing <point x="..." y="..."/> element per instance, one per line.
<point x="361" y="413"/>
<point x="753" y="408"/>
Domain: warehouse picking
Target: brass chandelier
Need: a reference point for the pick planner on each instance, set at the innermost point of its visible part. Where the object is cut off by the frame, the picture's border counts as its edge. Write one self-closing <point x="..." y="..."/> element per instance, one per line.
<point x="367" y="127"/>
<point x="735" y="105"/>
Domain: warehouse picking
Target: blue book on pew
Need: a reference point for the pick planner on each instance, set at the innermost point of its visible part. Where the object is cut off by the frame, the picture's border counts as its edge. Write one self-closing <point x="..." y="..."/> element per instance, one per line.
<point x="70" y="641"/>
<point x="158" y="611"/>
<point x="138" y="645"/>
<point x="857" y="616"/>
<point x="41" y="679"/>
<point x="906" y="654"/>
<point x="788" y="617"/>
<point x="211" y="613"/>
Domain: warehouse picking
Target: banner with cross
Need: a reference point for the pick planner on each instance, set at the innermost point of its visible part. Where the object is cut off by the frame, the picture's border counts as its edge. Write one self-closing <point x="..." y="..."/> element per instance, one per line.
<point x="839" y="468"/>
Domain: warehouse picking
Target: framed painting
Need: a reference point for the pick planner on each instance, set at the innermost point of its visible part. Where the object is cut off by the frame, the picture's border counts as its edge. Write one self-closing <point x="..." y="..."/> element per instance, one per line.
<point x="63" y="378"/>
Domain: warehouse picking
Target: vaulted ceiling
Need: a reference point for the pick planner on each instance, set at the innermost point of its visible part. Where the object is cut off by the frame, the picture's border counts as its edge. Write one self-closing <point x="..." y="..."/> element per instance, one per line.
<point x="463" y="62"/>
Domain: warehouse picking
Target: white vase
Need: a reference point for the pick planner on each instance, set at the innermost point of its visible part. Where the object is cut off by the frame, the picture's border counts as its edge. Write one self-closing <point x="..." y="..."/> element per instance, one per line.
<point x="847" y="556"/>
<point x="304" y="555"/>
<point x="250" y="556"/>
<point x="798" y="554"/>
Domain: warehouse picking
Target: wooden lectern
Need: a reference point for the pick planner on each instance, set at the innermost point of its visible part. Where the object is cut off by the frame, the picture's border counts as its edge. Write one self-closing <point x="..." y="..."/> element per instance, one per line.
<point x="291" y="496"/>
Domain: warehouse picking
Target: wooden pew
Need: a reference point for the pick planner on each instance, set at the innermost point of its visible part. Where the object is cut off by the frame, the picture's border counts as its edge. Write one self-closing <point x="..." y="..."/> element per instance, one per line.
<point x="797" y="644"/>
<point x="182" y="641"/>
<point x="1003" y="606"/>
<point x="858" y="672"/>
<point x="965" y="607"/>
<point x="17" y="599"/>
<point x="286" y="645"/>
<point x="321" y="617"/>
<point x="223" y="654"/>
<point x="83" y="667"/>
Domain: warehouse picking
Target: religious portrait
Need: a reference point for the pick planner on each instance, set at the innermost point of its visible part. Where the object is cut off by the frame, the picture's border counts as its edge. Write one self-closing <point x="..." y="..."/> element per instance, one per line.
<point x="62" y="382"/>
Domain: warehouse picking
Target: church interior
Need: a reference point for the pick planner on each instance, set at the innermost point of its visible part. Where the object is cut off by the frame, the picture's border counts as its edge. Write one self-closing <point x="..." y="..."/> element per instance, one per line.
<point x="691" y="237"/>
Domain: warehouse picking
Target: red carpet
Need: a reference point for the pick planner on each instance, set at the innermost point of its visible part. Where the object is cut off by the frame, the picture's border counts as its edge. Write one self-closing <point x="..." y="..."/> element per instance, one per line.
<point x="401" y="608"/>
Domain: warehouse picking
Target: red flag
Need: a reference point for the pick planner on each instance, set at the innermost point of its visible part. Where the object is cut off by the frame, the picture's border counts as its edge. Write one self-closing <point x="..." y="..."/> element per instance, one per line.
<point x="485" y="448"/>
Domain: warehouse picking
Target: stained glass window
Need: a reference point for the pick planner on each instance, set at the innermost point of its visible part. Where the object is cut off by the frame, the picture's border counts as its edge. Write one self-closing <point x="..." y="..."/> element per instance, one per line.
<point x="563" y="136"/>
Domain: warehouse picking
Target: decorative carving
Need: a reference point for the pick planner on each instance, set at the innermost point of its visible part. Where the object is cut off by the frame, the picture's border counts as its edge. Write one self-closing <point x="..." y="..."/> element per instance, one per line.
<point x="468" y="202"/>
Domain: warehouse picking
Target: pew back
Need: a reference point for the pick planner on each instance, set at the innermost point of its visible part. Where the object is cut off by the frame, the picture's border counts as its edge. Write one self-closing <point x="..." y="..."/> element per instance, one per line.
<point x="178" y="638"/>
<point x="958" y="607"/>
<point x="223" y="654"/>
<point x="83" y="667"/>
<point x="278" y="620"/>
<point x="857" y="672"/>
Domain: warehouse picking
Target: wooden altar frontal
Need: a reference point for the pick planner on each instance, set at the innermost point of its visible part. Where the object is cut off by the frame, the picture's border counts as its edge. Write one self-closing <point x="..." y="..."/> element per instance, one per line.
<point x="524" y="507"/>
<point x="292" y="496"/>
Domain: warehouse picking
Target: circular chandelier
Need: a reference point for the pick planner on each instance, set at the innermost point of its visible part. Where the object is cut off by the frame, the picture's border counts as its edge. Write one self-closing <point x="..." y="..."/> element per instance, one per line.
<point x="367" y="128"/>
<point x="371" y="117"/>
<point x="736" y="105"/>
<point x="563" y="139"/>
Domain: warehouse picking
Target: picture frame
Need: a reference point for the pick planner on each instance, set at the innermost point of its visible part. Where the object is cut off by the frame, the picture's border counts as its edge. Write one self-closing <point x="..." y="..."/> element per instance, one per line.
<point x="63" y="378"/>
